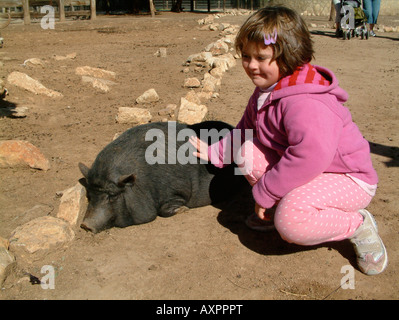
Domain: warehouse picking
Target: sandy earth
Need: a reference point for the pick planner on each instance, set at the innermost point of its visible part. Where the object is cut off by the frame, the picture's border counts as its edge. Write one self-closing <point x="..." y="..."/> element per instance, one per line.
<point x="207" y="253"/>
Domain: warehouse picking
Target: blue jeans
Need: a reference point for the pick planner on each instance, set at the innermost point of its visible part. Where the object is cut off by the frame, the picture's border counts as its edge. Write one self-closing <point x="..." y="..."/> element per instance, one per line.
<point x="371" y="9"/>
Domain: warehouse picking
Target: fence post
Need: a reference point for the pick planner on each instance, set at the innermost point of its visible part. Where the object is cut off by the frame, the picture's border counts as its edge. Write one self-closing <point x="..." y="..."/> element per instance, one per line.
<point x="93" y="15"/>
<point x="152" y="8"/>
<point x="61" y="8"/>
<point x="25" y="6"/>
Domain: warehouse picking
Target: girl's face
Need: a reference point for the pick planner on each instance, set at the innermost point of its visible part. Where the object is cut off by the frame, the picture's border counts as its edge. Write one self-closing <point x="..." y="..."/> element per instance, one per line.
<point x="257" y="63"/>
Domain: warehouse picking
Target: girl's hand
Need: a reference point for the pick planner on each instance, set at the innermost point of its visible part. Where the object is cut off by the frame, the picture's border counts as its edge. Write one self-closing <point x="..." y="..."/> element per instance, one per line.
<point x="201" y="146"/>
<point x="261" y="212"/>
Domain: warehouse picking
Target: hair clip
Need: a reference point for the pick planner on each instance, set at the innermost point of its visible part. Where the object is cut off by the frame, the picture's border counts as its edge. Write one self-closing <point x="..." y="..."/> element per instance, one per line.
<point x="270" y="39"/>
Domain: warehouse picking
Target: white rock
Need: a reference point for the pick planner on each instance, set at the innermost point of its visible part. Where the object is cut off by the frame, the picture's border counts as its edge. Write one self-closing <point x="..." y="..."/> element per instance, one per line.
<point x="229" y="39"/>
<point x="214" y="27"/>
<point x="217" y="48"/>
<point x="2" y="89"/>
<point x="149" y="96"/>
<point x="69" y="56"/>
<point x="225" y="61"/>
<point x="192" y="96"/>
<point x="73" y="205"/>
<point x="133" y="115"/>
<point x="204" y="96"/>
<point x="161" y="52"/>
<point x="97" y="83"/>
<point x="7" y="261"/>
<point x="192" y="83"/>
<point x="191" y="112"/>
<point x="4" y="243"/>
<point x="16" y="153"/>
<point x="40" y="235"/>
<point x="210" y="83"/>
<point x="217" y="72"/>
<point x="388" y="29"/>
<point x="230" y="30"/>
<point x="223" y="26"/>
<point x="209" y="19"/>
<point x="23" y="81"/>
<point x="199" y="57"/>
<point x="34" y="62"/>
<point x="95" y="73"/>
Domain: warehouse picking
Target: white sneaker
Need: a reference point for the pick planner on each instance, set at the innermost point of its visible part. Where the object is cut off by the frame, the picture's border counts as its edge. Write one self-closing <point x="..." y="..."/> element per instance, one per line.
<point x="371" y="254"/>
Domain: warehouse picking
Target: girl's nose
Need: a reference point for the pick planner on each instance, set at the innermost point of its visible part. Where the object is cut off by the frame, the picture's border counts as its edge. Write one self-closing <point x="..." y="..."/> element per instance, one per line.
<point x="253" y="64"/>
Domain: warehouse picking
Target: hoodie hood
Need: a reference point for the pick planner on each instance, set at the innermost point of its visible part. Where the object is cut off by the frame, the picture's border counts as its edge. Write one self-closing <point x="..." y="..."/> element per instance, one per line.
<point x="309" y="79"/>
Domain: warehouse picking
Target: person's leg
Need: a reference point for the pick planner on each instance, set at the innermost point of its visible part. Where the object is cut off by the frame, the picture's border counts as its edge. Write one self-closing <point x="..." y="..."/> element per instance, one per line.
<point x="338" y="19"/>
<point x="331" y="208"/>
<point x="376" y="10"/>
<point x="256" y="159"/>
<point x="323" y="210"/>
<point x="368" y="8"/>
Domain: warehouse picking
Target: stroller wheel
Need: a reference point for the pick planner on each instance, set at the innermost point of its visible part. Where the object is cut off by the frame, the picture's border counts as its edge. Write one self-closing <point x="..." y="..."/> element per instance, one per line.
<point x="365" y="34"/>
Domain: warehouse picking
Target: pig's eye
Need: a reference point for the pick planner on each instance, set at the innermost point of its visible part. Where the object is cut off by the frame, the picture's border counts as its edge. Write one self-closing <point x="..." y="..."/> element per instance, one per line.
<point x="112" y="197"/>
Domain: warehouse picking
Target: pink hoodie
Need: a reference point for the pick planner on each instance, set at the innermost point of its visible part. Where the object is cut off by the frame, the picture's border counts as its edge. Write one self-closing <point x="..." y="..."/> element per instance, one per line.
<point x="305" y="122"/>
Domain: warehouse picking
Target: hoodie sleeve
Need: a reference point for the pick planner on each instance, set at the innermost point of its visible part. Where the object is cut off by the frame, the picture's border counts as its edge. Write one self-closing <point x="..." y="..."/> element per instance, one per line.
<point x="221" y="153"/>
<point x="313" y="132"/>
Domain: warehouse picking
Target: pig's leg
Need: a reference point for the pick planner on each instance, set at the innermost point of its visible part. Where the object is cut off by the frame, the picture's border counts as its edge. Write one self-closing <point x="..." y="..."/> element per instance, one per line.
<point x="173" y="207"/>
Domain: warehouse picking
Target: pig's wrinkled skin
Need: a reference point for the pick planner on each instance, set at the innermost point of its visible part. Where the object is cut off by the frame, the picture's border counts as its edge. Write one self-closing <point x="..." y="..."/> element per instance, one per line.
<point x="123" y="189"/>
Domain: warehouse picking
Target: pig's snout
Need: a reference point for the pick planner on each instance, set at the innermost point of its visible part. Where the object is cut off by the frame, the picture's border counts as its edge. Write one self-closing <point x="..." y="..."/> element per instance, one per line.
<point x="97" y="219"/>
<point x="91" y="223"/>
<point x="86" y="226"/>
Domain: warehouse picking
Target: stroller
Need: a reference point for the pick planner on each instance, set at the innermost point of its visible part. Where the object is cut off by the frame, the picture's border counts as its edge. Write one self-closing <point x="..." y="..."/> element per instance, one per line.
<point x="353" y="20"/>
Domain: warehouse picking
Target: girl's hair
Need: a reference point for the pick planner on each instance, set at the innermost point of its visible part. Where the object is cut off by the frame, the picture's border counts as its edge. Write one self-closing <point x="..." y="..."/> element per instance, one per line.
<point x="293" y="45"/>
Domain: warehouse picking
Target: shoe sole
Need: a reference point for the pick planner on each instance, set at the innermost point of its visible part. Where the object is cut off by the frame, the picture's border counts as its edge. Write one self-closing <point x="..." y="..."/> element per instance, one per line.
<point x="250" y="223"/>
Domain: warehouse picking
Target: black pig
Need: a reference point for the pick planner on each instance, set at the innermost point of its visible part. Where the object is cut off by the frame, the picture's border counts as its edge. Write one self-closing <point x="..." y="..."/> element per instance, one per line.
<point x="125" y="187"/>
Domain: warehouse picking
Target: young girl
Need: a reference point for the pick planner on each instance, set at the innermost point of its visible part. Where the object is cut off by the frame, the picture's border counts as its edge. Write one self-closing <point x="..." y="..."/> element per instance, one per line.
<point x="307" y="156"/>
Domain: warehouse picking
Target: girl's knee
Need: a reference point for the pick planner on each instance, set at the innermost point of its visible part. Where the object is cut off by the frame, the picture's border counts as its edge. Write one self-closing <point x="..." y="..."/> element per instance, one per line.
<point x="291" y="234"/>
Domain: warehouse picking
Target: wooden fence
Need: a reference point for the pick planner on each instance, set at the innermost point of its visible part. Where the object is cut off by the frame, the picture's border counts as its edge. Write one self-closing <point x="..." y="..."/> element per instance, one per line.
<point x="31" y="8"/>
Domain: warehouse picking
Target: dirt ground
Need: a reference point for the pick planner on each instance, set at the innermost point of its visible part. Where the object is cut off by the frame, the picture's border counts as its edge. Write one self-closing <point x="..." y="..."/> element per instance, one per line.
<point x="207" y="253"/>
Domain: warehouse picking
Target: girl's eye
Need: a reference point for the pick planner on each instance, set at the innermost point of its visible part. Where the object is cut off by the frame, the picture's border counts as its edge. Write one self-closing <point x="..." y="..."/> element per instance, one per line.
<point x="265" y="57"/>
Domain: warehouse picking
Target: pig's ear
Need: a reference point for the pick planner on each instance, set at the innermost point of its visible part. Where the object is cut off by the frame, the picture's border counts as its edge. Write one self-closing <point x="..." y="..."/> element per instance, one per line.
<point x="126" y="180"/>
<point x="83" y="182"/>
<point x="84" y="169"/>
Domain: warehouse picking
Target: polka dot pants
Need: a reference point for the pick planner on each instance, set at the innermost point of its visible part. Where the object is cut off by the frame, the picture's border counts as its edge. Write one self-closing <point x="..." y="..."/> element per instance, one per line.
<point x="323" y="210"/>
